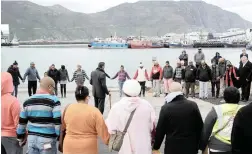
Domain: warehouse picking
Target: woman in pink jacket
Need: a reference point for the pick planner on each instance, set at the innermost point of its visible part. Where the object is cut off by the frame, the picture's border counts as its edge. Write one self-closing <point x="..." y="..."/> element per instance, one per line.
<point x="10" y="110"/>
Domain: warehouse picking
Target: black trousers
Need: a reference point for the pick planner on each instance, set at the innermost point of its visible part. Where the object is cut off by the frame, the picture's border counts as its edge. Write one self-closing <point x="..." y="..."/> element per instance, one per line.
<point x="189" y="85"/>
<point x="56" y="88"/>
<point x="217" y="85"/>
<point x="32" y="87"/>
<point x="99" y="103"/>
<point x="220" y="152"/>
<point x="246" y="91"/>
<point x="63" y="89"/>
<point x="142" y="84"/>
<point x="15" y="91"/>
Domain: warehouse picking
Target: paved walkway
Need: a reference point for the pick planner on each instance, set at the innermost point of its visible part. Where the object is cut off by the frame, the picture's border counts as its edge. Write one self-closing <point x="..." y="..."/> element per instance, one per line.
<point x="156" y="102"/>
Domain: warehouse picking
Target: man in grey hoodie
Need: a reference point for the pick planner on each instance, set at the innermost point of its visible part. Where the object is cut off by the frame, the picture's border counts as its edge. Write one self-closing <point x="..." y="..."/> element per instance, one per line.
<point x="167" y="77"/>
<point x="32" y="74"/>
<point x="198" y="57"/>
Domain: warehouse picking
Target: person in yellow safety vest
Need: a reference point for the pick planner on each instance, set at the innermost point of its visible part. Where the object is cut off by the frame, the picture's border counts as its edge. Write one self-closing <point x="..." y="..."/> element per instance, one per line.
<point x="219" y="122"/>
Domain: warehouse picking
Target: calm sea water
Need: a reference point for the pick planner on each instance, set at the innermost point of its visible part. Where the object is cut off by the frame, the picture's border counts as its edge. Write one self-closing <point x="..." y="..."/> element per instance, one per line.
<point x="70" y="56"/>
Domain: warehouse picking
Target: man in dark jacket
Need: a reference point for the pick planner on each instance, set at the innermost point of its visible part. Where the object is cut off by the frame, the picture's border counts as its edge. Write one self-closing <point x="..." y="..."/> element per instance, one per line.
<point x="242" y="131"/>
<point x="167" y="76"/>
<point x="245" y="72"/>
<point x="204" y="76"/>
<point x="189" y="75"/>
<point x="184" y="57"/>
<point x="216" y="58"/>
<point x="218" y="123"/>
<point x="14" y="71"/>
<point x="99" y="87"/>
<point x="55" y="75"/>
<point x="215" y="79"/>
<point x="181" y="122"/>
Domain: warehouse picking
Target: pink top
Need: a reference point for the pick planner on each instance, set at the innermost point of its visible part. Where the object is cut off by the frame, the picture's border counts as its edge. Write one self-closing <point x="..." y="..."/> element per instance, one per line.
<point x="10" y="107"/>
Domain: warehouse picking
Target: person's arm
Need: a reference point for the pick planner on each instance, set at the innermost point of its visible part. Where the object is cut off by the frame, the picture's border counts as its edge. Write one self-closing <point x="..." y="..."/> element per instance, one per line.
<point x="195" y="58"/>
<point x="91" y="79"/>
<point x="101" y="127"/>
<point x="161" y="73"/>
<point x="151" y="73"/>
<point x="85" y="74"/>
<point x="37" y="74"/>
<point x="19" y="75"/>
<point x="160" y="130"/>
<point x="74" y="76"/>
<point x="199" y="123"/>
<point x="210" y="73"/>
<point x="174" y="74"/>
<point x="203" y="56"/>
<point x="197" y="74"/>
<point x="15" y="111"/>
<point x="57" y="116"/>
<point x="237" y="134"/>
<point x="67" y="76"/>
<point x="146" y="75"/>
<point x="107" y="75"/>
<point x="136" y="74"/>
<point x="207" y="129"/>
<point x="115" y="76"/>
<point x="127" y="75"/>
<point x="23" y="120"/>
<point x="103" y="83"/>
<point x="183" y="74"/>
<point x="26" y="73"/>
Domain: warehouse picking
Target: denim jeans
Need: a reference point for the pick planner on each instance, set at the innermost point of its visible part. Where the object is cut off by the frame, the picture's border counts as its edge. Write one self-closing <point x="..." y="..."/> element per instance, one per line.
<point x="39" y="145"/>
<point x="15" y="91"/>
<point x="120" y="83"/>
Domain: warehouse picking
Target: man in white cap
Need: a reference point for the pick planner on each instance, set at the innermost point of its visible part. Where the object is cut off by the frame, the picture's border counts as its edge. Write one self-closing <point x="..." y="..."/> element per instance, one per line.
<point x="141" y="76"/>
<point x="181" y="122"/>
<point x="138" y="135"/>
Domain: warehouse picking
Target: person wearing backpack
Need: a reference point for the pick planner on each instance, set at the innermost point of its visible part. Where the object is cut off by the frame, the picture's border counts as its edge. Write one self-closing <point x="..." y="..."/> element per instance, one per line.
<point x="63" y="80"/>
<point x="219" y="122"/>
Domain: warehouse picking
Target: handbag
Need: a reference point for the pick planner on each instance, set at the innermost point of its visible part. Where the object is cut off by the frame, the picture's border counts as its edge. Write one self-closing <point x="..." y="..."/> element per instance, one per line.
<point x="116" y="140"/>
<point x="62" y="132"/>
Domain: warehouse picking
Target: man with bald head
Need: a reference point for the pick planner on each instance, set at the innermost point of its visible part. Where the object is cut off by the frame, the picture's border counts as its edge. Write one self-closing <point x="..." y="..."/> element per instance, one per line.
<point x="41" y="116"/>
<point x="245" y="71"/>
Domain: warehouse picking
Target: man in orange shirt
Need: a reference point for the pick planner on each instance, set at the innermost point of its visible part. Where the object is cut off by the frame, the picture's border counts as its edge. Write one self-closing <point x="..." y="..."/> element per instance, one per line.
<point x="156" y="76"/>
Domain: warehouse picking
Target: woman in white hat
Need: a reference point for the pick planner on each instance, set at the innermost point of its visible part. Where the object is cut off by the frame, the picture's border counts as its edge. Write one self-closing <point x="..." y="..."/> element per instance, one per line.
<point x="138" y="135"/>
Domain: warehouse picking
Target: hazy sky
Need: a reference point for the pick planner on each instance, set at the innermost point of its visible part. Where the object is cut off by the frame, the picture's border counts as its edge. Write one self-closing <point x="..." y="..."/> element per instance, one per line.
<point x="242" y="7"/>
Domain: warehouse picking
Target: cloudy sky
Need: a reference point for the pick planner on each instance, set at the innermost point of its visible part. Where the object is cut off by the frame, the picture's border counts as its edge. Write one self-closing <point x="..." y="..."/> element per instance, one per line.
<point x="242" y="7"/>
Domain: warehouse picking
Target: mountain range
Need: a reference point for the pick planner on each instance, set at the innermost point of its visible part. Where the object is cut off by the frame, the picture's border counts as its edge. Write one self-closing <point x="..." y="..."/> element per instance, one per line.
<point x="30" y="21"/>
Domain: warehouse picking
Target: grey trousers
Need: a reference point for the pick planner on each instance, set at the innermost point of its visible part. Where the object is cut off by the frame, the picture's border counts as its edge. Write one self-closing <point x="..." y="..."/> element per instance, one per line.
<point x="188" y="86"/>
<point x="156" y="87"/>
<point x="11" y="145"/>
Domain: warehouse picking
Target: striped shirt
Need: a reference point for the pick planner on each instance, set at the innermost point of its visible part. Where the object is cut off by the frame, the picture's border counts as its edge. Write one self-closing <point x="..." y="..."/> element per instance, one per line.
<point x="79" y="76"/>
<point x="41" y="116"/>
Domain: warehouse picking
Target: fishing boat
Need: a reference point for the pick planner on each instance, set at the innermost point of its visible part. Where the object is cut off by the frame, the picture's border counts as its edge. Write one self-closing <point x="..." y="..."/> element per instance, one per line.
<point x="138" y="44"/>
<point x="15" y="41"/>
<point x="157" y="45"/>
<point x="109" y="43"/>
<point x="166" y="45"/>
<point x="236" y="44"/>
<point x="249" y="46"/>
<point x="175" y="45"/>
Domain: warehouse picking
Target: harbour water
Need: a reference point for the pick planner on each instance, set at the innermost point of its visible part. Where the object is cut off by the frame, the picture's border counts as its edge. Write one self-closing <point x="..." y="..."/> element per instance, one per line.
<point x="70" y="56"/>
